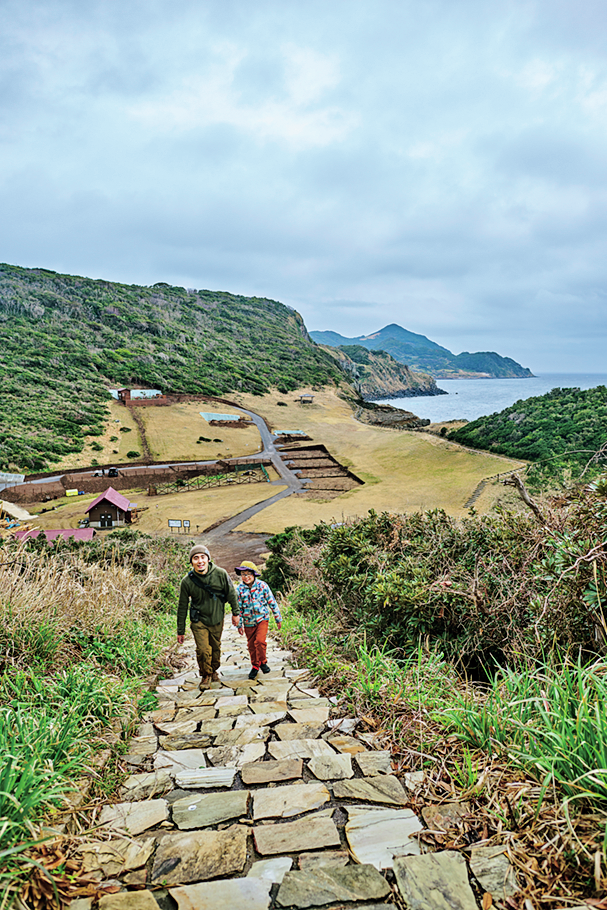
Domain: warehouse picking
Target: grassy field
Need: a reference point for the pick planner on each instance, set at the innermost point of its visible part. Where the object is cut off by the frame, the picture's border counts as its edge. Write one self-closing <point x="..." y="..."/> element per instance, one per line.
<point x="403" y="471"/>
<point x="202" y="508"/>
<point x="172" y="433"/>
<point x="115" y="444"/>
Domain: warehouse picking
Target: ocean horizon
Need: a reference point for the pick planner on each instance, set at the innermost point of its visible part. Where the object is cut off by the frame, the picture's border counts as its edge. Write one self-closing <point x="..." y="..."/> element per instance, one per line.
<point x="468" y="399"/>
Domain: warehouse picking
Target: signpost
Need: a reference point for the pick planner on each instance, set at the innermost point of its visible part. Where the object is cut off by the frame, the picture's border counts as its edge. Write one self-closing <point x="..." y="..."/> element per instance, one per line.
<point x="179" y="525"/>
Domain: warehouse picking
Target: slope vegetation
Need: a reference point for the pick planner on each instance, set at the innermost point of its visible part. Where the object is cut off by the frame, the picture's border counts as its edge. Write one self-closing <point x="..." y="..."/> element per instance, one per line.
<point x="561" y="429"/>
<point x="65" y="339"/>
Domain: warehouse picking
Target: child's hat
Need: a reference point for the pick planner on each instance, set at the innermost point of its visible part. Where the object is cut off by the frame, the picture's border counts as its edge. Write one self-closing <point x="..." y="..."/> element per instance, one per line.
<point x="247" y="566"/>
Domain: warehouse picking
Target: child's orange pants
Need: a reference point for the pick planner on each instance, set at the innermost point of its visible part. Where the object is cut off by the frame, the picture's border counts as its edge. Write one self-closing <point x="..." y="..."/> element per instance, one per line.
<point x="256" y="642"/>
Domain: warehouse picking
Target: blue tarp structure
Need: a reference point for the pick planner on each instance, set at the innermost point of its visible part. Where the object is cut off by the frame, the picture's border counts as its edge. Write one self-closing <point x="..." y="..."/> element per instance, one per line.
<point x="210" y="416"/>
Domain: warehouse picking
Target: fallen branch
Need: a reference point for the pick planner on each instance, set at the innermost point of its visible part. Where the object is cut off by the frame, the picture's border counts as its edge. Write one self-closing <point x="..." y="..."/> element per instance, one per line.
<point x="515" y="481"/>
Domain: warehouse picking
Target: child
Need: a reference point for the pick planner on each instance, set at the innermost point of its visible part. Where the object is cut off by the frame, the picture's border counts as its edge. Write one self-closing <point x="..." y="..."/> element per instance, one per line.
<point x="255" y="601"/>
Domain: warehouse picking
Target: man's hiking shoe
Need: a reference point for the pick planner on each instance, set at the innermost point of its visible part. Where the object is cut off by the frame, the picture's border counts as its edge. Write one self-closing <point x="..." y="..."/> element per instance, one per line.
<point x="253" y="673"/>
<point x="215" y="677"/>
<point x="264" y="668"/>
<point x="205" y="683"/>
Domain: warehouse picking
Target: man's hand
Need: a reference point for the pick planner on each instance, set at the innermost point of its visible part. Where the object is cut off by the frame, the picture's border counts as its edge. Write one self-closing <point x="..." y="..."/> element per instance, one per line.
<point x="180" y="639"/>
<point x="235" y="619"/>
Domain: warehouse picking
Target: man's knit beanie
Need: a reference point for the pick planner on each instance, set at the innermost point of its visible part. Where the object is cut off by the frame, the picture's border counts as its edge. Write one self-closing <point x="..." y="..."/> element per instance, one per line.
<point x="198" y="549"/>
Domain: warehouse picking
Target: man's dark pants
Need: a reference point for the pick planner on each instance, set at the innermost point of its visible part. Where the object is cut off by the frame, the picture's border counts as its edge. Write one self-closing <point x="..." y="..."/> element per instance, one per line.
<point x="208" y="646"/>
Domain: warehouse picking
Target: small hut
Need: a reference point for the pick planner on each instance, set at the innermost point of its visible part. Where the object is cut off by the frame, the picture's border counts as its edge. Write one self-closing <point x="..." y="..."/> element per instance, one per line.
<point x="110" y="510"/>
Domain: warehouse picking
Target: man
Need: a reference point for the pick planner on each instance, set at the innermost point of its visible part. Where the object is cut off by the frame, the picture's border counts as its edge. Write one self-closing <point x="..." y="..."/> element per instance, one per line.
<point x="207" y="589"/>
<point x="255" y="600"/>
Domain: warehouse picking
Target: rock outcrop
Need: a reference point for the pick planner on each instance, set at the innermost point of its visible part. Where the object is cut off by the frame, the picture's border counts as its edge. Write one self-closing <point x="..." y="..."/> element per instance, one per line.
<point x="376" y="374"/>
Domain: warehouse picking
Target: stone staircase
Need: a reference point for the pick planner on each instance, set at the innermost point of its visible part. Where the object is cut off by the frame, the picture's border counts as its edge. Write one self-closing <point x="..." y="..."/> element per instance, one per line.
<point x="259" y="794"/>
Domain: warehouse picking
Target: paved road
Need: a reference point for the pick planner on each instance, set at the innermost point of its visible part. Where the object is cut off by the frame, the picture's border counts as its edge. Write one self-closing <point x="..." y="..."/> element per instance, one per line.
<point x="269" y="451"/>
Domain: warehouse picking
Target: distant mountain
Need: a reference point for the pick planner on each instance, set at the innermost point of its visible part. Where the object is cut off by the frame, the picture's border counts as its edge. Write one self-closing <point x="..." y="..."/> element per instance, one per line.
<point x="420" y="353"/>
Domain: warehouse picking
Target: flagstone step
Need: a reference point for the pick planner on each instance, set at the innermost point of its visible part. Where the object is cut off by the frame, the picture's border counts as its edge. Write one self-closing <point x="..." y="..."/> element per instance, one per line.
<point x="207" y="809"/>
<point x="245" y="757"/>
<point x="207" y="777"/>
<point x="321" y="886"/>
<point x="290" y="800"/>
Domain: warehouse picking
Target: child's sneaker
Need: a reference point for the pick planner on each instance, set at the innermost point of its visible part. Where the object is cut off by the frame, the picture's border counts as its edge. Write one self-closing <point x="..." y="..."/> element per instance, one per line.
<point x="253" y="673"/>
<point x="265" y="668"/>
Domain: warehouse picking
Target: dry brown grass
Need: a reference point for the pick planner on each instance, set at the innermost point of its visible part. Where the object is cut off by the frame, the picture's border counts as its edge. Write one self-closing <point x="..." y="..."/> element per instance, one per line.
<point x="172" y="433"/>
<point x="119" y="416"/>
<point x="404" y="471"/>
<point x="44" y="590"/>
<point x="201" y="507"/>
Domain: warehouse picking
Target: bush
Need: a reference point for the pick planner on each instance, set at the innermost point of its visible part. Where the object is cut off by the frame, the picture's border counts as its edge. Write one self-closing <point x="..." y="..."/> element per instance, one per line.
<point x="133" y="454"/>
<point x="486" y="589"/>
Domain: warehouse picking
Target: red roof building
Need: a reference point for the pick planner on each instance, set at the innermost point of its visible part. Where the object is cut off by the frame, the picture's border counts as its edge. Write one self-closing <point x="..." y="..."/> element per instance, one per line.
<point x="110" y="510"/>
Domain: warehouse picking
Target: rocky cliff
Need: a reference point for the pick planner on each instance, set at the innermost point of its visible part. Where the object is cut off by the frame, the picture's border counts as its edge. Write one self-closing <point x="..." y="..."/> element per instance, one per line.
<point x="377" y="375"/>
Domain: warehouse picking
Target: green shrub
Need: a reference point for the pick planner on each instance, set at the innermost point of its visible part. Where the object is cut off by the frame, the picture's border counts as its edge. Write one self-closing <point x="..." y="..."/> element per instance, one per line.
<point x="483" y="590"/>
<point x="133" y="454"/>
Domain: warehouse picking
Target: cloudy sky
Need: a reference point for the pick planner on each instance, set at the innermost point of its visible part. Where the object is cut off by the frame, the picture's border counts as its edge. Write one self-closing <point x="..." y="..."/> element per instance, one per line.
<point x="441" y="164"/>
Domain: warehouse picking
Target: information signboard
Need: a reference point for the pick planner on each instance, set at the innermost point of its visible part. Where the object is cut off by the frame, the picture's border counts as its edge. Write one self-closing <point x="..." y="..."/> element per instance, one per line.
<point x="174" y="523"/>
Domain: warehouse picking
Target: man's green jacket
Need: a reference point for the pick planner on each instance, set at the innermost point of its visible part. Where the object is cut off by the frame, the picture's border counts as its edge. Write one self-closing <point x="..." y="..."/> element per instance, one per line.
<point x="210" y="604"/>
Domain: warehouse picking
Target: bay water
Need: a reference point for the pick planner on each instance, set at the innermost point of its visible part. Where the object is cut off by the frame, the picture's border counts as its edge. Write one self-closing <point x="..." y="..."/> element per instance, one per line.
<point x="468" y="399"/>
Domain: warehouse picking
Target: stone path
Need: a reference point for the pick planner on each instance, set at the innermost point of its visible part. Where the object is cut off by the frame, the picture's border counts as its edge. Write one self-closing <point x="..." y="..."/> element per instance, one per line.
<point x="258" y="795"/>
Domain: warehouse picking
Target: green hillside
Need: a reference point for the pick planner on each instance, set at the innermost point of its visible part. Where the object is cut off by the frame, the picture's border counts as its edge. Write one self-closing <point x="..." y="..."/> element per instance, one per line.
<point x="562" y="428"/>
<point x="66" y="339"/>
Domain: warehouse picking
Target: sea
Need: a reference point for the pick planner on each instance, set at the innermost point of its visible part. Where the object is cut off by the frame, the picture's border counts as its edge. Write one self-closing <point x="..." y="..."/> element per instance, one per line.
<point x="468" y="399"/>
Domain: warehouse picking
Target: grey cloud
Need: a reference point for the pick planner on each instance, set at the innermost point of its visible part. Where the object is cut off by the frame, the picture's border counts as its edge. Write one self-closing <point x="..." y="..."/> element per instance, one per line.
<point x="438" y="164"/>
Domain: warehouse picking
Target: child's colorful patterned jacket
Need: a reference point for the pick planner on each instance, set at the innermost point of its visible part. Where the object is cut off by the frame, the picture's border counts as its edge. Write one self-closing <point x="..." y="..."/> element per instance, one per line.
<point x="255" y="603"/>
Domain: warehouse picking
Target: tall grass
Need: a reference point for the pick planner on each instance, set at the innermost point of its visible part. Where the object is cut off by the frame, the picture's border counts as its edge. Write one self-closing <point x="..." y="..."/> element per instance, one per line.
<point x="68" y="614"/>
<point x="47" y="731"/>
<point x="549" y="719"/>
<point x="43" y="598"/>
